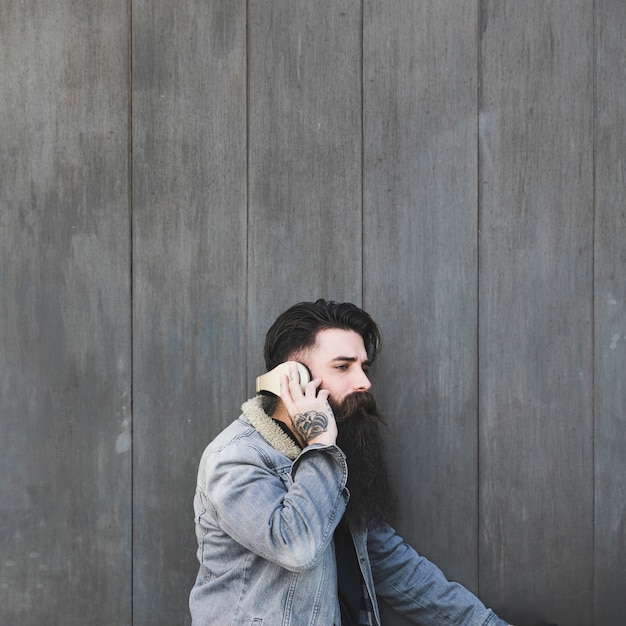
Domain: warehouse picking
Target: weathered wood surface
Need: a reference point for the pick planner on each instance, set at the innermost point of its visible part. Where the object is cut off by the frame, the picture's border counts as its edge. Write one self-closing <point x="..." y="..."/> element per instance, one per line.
<point x="536" y="310"/>
<point x="610" y="314"/>
<point x="189" y="275"/>
<point x="454" y="166"/>
<point x="65" y="385"/>
<point x="304" y="228"/>
<point x="420" y="269"/>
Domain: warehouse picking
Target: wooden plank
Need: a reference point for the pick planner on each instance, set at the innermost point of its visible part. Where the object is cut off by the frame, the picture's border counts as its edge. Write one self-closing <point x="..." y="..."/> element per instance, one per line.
<point x="189" y="275"/>
<point x="610" y="314"/>
<point x="65" y="497"/>
<point x="536" y="286"/>
<point x="420" y="213"/>
<point x="304" y="159"/>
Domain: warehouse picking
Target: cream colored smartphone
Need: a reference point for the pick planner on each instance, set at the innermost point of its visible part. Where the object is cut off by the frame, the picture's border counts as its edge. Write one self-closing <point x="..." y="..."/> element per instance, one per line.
<point x="270" y="382"/>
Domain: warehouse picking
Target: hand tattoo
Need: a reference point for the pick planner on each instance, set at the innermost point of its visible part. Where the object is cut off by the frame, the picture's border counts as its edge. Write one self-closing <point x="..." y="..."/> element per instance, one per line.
<point x="311" y="424"/>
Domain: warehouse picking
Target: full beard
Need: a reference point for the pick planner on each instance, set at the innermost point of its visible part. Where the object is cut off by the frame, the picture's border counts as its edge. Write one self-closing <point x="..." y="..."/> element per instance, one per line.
<point x="372" y="502"/>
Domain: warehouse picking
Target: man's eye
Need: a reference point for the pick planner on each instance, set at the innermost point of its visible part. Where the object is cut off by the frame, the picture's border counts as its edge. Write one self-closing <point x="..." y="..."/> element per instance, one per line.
<point x="342" y="368"/>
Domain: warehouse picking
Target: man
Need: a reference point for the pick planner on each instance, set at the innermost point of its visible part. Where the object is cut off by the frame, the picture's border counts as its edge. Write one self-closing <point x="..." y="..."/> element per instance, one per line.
<point x="293" y="502"/>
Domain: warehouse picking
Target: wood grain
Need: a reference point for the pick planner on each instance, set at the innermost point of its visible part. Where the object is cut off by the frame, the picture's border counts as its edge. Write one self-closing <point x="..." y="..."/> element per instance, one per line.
<point x="65" y="415"/>
<point x="420" y="265"/>
<point x="304" y="169"/>
<point x="536" y="307"/>
<point x="610" y="314"/>
<point x="189" y="276"/>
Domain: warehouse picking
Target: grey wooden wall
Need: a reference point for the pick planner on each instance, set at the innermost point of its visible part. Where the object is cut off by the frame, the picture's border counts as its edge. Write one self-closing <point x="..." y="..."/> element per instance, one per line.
<point x="174" y="174"/>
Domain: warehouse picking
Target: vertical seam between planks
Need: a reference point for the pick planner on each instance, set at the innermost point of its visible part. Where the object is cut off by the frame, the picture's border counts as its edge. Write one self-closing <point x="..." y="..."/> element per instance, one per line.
<point x="129" y="156"/>
<point x="478" y="267"/>
<point x="593" y="309"/>
<point x="247" y="194"/>
<point x="362" y="154"/>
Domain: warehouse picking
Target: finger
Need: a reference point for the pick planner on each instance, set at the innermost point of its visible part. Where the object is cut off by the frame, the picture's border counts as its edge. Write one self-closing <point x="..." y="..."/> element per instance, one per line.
<point x="310" y="391"/>
<point x="323" y="395"/>
<point x="285" y="391"/>
<point x="294" y="385"/>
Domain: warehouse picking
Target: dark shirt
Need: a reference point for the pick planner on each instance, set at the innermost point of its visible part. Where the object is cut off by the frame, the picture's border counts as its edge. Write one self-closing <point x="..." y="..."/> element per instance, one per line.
<point x="348" y="576"/>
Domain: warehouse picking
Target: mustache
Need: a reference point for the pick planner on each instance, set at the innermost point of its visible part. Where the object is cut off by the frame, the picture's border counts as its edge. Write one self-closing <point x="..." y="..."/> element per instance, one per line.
<point x="360" y="402"/>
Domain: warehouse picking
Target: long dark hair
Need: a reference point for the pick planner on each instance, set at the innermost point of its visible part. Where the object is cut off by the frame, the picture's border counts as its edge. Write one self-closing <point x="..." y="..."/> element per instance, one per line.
<point x="296" y="329"/>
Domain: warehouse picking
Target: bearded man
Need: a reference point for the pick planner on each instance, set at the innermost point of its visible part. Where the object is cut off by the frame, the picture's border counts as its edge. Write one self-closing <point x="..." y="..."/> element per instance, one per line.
<point x="293" y="506"/>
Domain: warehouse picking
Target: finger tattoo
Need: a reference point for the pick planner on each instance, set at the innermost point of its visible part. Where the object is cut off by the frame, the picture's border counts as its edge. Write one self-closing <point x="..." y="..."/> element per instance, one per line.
<point x="311" y="424"/>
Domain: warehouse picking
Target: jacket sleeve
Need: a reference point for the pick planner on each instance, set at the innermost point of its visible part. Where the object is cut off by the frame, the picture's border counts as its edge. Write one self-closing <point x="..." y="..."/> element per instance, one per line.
<point x="290" y="520"/>
<point x="417" y="589"/>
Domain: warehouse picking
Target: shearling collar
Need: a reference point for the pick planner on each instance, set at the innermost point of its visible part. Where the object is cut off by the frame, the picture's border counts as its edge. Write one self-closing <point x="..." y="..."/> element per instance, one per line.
<point x="268" y="429"/>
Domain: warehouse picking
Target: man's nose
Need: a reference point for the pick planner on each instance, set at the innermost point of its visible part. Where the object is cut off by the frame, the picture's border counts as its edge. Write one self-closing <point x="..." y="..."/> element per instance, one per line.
<point x="362" y="382"/>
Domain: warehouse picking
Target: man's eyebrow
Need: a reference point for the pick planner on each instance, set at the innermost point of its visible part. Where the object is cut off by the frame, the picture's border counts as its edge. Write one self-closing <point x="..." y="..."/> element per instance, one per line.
<point x="349" y="359"/>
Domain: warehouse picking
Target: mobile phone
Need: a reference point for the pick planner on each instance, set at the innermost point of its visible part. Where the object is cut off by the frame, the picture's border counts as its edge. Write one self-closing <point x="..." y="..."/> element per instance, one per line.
<point x="270" y="382"/>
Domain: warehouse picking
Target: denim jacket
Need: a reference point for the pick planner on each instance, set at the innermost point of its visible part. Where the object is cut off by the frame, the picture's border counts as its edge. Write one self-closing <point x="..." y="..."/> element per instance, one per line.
<point x="265" y="514"/>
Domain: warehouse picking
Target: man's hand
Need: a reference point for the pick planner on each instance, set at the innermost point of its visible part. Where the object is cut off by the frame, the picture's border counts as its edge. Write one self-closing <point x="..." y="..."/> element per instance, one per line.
<point x="311" y="415"/>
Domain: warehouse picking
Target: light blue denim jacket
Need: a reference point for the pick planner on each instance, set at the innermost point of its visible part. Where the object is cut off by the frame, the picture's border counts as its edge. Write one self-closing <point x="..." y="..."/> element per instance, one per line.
<point x="265" y="514"/>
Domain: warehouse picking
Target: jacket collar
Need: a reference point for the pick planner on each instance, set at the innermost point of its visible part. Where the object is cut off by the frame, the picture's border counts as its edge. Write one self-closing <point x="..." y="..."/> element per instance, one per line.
<point x="268" y="429"/>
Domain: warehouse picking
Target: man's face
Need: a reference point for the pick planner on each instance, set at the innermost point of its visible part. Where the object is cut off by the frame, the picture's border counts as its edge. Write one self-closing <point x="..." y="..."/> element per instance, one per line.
<point x="339" y="358"/>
